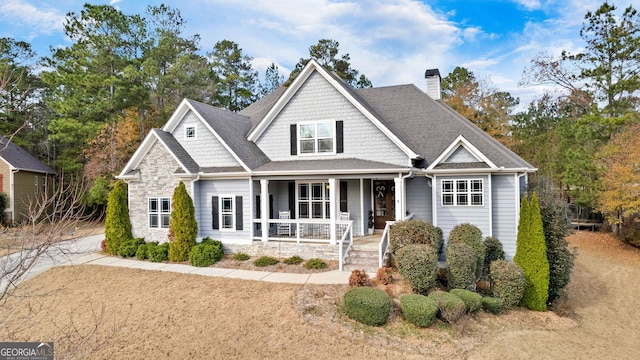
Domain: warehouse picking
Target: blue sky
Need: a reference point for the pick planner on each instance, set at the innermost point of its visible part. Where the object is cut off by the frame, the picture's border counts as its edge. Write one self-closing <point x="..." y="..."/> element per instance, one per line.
<point x="392" y="42"/>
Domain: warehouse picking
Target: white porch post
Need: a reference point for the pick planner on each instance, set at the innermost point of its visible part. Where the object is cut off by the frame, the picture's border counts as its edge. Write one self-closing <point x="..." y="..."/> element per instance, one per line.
<point x="399" y="197"/>
<point x="264" y="209"/>
<point x="332" y="210"/>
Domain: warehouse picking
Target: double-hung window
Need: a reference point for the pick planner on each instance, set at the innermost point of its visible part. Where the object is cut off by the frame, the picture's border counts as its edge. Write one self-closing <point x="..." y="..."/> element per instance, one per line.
<point x="159" y="212"/>
<point x="227" y="213"/>
<point x="317" y="137"/>
<point x="462" y="192"/>
<point x="313" y="200"/>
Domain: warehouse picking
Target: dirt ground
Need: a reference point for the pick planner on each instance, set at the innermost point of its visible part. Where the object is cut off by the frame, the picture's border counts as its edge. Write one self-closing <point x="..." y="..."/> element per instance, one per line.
<point x="111" y="313"/>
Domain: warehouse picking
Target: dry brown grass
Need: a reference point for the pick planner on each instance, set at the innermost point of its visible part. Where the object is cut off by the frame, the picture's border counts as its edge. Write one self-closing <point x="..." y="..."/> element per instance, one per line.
<point x="12" y="238"/>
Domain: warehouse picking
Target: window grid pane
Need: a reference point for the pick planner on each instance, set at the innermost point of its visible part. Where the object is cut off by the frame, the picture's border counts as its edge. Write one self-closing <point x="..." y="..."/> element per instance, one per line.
<point x="462" y="192"/>
<point x="316" y="138"/>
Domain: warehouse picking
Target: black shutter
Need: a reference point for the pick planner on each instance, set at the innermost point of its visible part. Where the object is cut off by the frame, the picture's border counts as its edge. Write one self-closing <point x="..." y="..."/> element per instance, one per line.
<point x="239" y="218"/>
<point x="215" y="220"/>
<point x="339" y="137"/>
<point x="292" y="199"/>
<point x="258" y="207"/>
<point x="343" y="196"/>
<point x="271" y="206"/>
<point x="294" y="139"/>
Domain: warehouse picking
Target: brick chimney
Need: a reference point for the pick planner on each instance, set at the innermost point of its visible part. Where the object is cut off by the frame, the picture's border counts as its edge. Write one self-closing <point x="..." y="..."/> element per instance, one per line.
<point x="432" y="80"/>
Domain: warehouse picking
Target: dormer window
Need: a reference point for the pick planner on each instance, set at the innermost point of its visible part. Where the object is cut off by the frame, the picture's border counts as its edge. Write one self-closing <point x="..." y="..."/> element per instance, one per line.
<point x="317" y="138"/>
<point x="190" y="132"/>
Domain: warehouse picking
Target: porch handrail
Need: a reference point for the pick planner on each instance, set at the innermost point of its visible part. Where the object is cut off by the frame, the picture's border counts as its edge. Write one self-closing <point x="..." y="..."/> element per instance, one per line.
<point x="383" y="246"/>
<point x="342" y="253"/>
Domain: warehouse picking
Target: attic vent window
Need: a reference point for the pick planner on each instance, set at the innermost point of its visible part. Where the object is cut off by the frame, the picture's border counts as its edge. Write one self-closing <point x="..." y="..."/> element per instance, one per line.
<point x="190" y="132"/>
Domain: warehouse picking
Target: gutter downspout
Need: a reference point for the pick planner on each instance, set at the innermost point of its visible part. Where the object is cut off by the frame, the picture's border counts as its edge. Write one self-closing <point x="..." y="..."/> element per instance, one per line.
<point x="193" y="197"/>
<point x="404" y="192"/>
<point x="432" y="180"/>
<point x="12" y="195"/>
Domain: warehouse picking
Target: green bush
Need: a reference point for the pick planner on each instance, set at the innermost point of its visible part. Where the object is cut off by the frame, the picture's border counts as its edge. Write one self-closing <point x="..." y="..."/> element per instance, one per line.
<point x="531" y="255"/>
<point x="3" y="205"/>
<point x="183" y="227"/>
<point x="418" y="264"/>
<point x="240" y="256"/>
<point x="205" y="254"/>
<point x="492" y="305"/>
<point x="472" y="300"/>
<point x="263" y="261"/>
<point x="507" y="282"/>
<point x="129" y="247"/>
<point x="451" y="307"/>
<point x="208" y="240"/>
<point x="418" y="309"/>
<point x="471" y="235"/>
<point x="141" y="252"/>
<point x="461" y="265"/>
<point x="412" y="231"/>
<point x="367" y="305"/>
<point x="117" y="226"/>
<point x="293" y="260"/>
<point x="158" y="253"/>
<point x="492" y="251"/>
<point x="315" y="264"/>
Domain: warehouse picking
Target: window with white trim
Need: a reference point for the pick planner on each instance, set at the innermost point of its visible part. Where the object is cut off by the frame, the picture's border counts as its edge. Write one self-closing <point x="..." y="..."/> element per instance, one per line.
<point x="468" y="192"/>
<point x="190" y="132"/>
<point x="227" y="212"/>
<point x="159" y="212"/>
<point x="35" y="184"/>
<point x="317" y="138"/>
<point x="313" y="200"/>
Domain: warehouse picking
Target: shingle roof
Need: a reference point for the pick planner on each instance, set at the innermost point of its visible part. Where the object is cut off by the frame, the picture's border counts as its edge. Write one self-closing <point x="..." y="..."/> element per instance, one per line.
<point x="178" y="151"/>
<point x="20" y="159"/>
<point x="259" y="109"/>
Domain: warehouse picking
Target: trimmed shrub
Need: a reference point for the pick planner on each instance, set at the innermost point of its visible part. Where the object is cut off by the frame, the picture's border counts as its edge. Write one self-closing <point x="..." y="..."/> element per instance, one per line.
<point x="3" y="206"/>
<point x="472" y="300"/>
<point x="418" y="264"/>
<point x="359" y="278"/>
<point x="208" y="240"/>
<point x="384" y="275"/>
<point x="418" y="309"/>
<point x="368" y="305"/>
<point x="263" y="261"/>
<point x="141" y="252"/>
<point x="531" y="255"/>
<point x="240" y="256"/>
<point x="293" y="260"/>
<point x="492" y="251"/>
<point x="451" y="307"/>
<point x="408" y="232"/>
<point x="157" y="253"/>
<point x="117" y="226"/>
<point x="129" y="247"/>
<point x="508" y="282"/>
<point x="461" y="265"/>
<point x="471" y="235"/>
<point x="315" y="264"/>
<point x="492" y="305"/>
<point x="205" y="254"/>
<point x="183" y="227"/>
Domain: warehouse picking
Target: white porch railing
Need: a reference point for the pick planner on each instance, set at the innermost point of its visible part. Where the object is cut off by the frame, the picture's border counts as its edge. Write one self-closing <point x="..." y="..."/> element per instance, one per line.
<point x="301" y="230"/>
<point x="383" y="247"/>
<point x="345" y="241"/>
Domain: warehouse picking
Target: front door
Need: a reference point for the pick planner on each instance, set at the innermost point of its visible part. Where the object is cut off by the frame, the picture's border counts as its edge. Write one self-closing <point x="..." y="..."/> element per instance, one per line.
<point x="384" y="204"/>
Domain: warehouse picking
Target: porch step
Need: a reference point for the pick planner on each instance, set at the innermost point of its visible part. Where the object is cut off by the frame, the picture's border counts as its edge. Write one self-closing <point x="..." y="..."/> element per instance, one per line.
<point x="362" y="258"/>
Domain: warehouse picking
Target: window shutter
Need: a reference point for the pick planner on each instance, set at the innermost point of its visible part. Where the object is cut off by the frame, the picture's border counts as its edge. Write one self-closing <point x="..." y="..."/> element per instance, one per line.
<point x="294" y="139"/>
<point x="214" y="213"/>
<point x="258" y="207"/>
<point x="343" y="196"/>
<point x="270" y="206"/>
<point x="239" y="217"/>
<point x="292" y="199"/>
<point x="339" y="137"/>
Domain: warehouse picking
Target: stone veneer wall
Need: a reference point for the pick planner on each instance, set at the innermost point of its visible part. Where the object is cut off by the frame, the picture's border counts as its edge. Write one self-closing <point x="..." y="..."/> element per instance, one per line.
<point x="156" y="180"/>
<point x="280" y="249"/>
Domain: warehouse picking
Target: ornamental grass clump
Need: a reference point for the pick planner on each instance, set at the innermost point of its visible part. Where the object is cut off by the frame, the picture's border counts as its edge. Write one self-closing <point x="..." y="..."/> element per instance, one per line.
<point x="451" y="307"/>
<point x="418" y="264"/>
<point x="315" y="264"/>
<point x="240" y="256"/>
<point x="507" y="282"/>
<point x="368" y="305"/>
<point x="461" y="265"/>
<point x="471" y="235"/>
<point x="263" y="261"/>
<point x="408" y="232"/>
<point x="293" y="260"/>
<point x="418" y="309"/>
<point x="472" y="300"/>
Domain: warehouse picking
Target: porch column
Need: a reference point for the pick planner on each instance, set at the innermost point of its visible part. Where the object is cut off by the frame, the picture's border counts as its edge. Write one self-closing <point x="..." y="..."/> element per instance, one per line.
<point x="264" y="209"/>
<point x="399" y="198"/>
<point x="332" y="210"/>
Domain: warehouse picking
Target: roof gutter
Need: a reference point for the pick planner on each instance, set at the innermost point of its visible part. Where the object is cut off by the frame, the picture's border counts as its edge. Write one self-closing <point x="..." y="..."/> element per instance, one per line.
<point x="478" y="171"/>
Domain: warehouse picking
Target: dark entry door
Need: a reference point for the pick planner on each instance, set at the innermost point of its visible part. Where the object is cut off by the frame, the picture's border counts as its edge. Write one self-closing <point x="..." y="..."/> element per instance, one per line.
<point x="384" y="202"/>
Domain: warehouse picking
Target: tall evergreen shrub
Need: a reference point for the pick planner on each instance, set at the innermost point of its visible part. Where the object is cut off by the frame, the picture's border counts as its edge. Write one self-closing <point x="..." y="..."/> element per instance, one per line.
<point x="117" y="225"/>
<point x="3" y="206"/>
<point x="183" y="227"/>
<point x="531" y="255"/>
<point x="471" y="235"/>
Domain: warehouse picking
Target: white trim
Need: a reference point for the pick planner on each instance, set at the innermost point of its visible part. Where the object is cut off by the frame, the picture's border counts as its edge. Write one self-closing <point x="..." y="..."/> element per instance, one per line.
<point x="159" y="213"/>
<point x="460" y="140"/>
<point x="469" y="192"/>
<point x="365" y="218"/>
<point x="490" y="197"/>
<point x="315" y="138"/>
<point x="221" y="227"/>
<point x="186" y="132"/>
<point x="142" y="151"/>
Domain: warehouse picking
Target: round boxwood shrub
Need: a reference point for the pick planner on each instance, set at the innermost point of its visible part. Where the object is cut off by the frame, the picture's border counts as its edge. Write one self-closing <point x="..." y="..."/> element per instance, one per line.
<point x="418" y="309"/>
<point x="141" y="252"/>
<point x="158" y="253"/>
<point x="461" y="264"/>
<point x="418" y="264"/>
<point x="472" y="300"/>
<point x="492" y="305"/>
<point x="408" y="232"/>
<point x="129" y="247"/>
<point x="315" y="264"/>
<point x="205" y="254"/>
<point x="263" y="261"/>
<point x="451" y="307"/>
<point x="471" y="235"/>
<point x="293" y="260"/>
<point x="508" y="282"/>
<point x="492" y="251"/>
<point x="208" y="240"/>
<point x="367" y="305"/>
<point x="240" y="256"/>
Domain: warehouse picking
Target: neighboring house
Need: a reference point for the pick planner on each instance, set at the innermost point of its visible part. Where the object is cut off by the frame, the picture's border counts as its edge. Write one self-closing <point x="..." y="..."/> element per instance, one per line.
<point x="307" y="164"/>
<point x="23" y="178"/>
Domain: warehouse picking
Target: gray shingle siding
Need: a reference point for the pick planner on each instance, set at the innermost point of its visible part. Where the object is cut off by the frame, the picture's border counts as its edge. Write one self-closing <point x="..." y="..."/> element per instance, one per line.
<point x="419" y="193"/>
<point x="505" y="209"/>
<point x="209" y="188"/>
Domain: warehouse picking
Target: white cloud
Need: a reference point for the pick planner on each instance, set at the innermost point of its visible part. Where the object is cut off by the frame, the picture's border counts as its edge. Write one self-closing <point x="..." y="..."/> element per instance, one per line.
<point x="40" y="19"/>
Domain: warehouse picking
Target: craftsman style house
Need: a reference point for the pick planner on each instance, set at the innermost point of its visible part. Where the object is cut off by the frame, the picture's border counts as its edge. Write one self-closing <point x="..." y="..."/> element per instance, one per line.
<point x="319" y="161"/>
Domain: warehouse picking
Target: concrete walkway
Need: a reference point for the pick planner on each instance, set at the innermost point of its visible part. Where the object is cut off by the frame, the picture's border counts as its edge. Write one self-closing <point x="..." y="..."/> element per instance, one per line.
<point x="86" y="251"/>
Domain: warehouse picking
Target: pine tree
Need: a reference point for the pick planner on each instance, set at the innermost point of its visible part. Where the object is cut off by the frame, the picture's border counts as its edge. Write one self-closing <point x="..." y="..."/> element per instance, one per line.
<point x="117" y="225"/>
<point x="531" y="255"/>
<point x="183" y="227"/>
